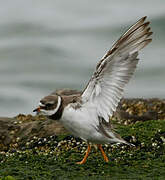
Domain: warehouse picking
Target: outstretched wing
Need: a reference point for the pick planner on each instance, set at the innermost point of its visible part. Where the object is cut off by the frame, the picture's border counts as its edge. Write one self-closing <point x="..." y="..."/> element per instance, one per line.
<point x="105" y="88"/>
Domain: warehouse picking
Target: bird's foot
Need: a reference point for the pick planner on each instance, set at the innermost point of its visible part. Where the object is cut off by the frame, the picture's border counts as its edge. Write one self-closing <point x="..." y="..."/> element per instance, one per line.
<point x="81" y="162"/>
<point x="86" y="155"/>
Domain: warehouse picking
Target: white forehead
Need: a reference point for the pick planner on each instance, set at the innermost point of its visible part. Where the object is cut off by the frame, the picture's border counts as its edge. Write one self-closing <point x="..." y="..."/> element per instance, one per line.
<point x="40" y="104"/>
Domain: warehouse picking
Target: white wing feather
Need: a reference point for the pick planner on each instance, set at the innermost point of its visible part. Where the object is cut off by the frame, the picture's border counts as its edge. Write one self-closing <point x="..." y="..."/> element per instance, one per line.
<point x="105" y="88"/>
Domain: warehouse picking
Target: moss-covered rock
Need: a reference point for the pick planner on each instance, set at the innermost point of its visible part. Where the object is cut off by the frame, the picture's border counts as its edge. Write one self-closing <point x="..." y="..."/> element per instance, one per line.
<point x="54" y="156"/>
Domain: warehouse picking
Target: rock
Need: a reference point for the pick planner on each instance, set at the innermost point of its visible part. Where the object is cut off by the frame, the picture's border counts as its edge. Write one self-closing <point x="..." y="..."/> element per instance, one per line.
<point x="17" y="131"/>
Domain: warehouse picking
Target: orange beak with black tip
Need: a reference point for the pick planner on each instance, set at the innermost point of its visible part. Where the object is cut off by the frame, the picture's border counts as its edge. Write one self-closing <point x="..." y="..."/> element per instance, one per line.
<point x="37" y="109"/>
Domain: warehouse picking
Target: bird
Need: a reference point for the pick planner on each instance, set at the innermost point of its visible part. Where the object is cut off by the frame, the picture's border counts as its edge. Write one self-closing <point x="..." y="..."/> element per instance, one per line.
<point x="86" y="114"/>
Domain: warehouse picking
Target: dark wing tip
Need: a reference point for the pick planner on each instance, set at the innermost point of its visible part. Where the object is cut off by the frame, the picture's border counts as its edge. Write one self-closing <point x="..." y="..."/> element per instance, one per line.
<point x="150" y="33"/>
<point x="149" y="40"/>
<point x="144" y="18"/>
<point x="146" y="23"/>
<point x="145" y="42"/>
<point x="141" y="20"/>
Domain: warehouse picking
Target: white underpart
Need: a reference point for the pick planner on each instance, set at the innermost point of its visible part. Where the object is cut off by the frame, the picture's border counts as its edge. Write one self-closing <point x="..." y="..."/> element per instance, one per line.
<point x="83" y="122"/>
<point x="51" y="112"/>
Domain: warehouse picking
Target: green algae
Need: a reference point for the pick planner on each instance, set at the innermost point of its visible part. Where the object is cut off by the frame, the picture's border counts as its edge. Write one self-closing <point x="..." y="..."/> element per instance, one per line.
<point x="8" y="178"/>
<point x="144" y="161"/>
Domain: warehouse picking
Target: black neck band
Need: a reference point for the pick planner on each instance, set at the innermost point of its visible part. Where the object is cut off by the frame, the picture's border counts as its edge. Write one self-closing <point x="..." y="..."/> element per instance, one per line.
<point x="58" y="114"/>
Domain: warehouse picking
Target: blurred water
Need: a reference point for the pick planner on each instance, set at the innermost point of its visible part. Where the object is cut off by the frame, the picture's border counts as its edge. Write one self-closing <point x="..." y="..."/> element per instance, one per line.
<point x="45" y="45"/>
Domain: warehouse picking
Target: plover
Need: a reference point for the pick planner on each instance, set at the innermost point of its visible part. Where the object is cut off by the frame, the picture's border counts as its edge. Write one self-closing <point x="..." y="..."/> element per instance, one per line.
<point x="86" y="114"/>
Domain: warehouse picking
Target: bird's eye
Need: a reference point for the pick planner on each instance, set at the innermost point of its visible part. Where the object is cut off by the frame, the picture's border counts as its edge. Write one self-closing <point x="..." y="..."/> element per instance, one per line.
<point x="46" y="104"/>
<point x="49" y="104"/>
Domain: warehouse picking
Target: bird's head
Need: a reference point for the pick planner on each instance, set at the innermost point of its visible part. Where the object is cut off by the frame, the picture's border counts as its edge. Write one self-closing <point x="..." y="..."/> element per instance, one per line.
<point x="49" y="105"/>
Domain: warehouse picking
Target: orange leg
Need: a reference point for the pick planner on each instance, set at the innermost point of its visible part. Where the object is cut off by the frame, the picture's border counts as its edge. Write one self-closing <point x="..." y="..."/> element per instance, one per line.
<point x="86" y="155"/>
<point x="102" y="152"/>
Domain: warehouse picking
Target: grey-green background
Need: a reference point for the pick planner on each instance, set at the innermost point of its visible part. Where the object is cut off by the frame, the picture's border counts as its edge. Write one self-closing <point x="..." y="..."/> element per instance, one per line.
<point x="45" y="45"/>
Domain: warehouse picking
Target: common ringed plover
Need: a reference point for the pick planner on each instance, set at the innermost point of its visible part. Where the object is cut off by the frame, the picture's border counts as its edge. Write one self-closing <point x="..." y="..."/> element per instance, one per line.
<point x="86" y="114"/>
